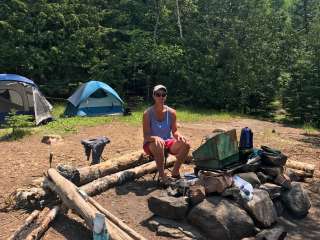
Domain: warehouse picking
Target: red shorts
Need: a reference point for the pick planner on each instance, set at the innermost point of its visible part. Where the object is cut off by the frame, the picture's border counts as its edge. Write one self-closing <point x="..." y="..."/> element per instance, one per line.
<point x="167" y="145"/>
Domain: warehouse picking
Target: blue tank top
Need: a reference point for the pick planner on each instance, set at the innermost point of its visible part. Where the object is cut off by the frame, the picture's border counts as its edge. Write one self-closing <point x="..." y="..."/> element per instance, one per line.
<point x="161" y="129"/>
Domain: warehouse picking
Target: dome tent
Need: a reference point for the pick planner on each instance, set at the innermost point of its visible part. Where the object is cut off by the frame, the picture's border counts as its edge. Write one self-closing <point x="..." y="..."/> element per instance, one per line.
<point x="22" y="94"/>
<point x="94" y="98"/>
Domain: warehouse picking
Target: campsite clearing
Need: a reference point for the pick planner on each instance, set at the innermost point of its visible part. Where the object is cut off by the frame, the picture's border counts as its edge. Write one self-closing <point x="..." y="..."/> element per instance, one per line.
<point x="27" y="159"/>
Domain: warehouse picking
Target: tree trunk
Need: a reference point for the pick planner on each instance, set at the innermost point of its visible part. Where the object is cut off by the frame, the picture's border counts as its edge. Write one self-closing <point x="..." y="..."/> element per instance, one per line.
<point x="71" y="197"/>
<point x="44" y="225"/>
<point x="178" y="18"/>
<point x="103" y="184"/>
<point x="26" y="223"/>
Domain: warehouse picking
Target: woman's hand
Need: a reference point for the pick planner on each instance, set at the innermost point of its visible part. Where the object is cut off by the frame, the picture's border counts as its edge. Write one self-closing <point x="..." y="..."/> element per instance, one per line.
<point x="159" y="141"/>
<point x="180" y="138"/>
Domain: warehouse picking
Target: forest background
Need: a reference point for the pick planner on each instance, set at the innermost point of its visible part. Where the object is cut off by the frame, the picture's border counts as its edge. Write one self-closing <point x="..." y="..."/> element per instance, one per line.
<point x="232" y="55"/>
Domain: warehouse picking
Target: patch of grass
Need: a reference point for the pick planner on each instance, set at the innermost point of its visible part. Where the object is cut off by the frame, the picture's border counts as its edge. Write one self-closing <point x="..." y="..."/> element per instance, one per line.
<point x="309" y="128"/>
<point x="9" y="135"/>
<point x="58" y="110"/>
<point x="193" y="115"/>
<point x="70" y="125"/>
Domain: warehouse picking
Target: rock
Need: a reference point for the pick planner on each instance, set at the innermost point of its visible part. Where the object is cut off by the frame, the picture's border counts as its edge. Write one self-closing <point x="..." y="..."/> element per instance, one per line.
<point x="170" y="228"/>
<point x="261" y="208"/>
<point x="272" y="171"/>
<point x="52" y="138"/>
<point x="220" y="218"/>
<point x="168" y="207"/>
<point x="296" y="200"/>
<point x="264" y="178"/>
<point x="273" y="189"/>
<point x="276" y="233"/>
<point x="250" y="177"/>
<point x="233" y="192"/>
<point x="295" y="175"/>
<point x="283" y="180"/>
<point x="278" y="206"/>
<point x="315" y="187"/>
<point x="196" y="194"/>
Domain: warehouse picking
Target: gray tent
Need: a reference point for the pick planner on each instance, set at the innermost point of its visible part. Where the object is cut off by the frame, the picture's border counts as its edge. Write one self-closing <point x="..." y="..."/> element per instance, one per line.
<point x="22" y="94"/>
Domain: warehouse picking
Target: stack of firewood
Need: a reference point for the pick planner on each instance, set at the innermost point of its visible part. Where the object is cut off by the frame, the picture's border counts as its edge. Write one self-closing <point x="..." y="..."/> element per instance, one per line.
<point x="74" y="193"/>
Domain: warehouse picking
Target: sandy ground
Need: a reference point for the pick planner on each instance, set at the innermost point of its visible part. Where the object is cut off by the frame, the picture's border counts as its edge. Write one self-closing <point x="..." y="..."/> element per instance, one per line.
<point x="27" y="159"/>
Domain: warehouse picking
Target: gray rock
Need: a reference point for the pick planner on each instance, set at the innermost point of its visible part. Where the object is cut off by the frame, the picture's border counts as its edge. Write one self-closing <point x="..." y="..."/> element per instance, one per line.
<point x="220" y="218"/>
<point x="196" y="194"/>
<point x="315" y="186"/>
<point x="273" y="189"/>
<point x="276" y="233"/>
<point x="261" y="208"/>
<point x="168" y="207"/>
<point x="250" y="177"/>
<point x="170" y="228"/>
<point x="278" y="206"/>
<point x="51" y="138"/>
<point x="233" y="192"/>
<point x="296" y="200"/>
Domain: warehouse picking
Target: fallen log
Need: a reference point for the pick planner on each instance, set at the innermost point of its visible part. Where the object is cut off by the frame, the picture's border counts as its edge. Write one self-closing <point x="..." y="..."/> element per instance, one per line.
<point x="104" y="183"/>
<point x="298" y="175"/>
<point x="71" y="197"/>
<point x="90" y="173"/>
<point x="44" y="225"/>
<point x="306" y="167"/>
<point x="26" y="223"/>
<point x="130" y="160"/>
<point x="31" y="197"/>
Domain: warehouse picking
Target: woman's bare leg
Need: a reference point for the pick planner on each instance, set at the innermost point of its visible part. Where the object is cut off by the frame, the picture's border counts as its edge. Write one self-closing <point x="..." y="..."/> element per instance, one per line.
<point x="180" y="150"/>
<point x="158" y="155"/>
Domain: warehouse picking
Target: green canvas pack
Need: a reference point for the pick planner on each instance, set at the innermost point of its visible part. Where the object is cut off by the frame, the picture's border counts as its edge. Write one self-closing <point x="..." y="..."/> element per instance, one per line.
<point x="218" y="150"/>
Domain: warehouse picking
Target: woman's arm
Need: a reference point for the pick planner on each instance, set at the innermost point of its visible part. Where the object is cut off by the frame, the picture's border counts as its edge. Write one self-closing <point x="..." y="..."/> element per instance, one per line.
<point x="174" y="127"/>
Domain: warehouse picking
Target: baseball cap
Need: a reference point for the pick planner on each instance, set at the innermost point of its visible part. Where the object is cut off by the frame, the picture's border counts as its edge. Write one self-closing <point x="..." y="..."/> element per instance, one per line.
<point x="158" y="87"/>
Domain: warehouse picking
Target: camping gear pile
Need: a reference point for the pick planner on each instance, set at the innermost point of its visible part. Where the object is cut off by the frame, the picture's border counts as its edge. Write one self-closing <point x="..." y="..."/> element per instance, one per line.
<point x="236" y="192"/>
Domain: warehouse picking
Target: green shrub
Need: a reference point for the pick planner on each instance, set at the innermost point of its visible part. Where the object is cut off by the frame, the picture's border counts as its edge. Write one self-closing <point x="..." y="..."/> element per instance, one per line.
<point x="18" y="123"/>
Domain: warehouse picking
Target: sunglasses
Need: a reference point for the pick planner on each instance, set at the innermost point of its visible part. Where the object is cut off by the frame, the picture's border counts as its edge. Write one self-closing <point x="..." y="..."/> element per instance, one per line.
<point x="160" y="94"/>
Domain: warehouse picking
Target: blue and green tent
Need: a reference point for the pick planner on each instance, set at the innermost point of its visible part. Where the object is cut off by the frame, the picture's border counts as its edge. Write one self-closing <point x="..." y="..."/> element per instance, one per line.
<point x="94" y="98"/>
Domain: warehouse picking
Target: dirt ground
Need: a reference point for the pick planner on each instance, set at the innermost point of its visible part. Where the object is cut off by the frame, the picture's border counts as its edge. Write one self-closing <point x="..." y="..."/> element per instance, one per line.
<point x="27" y="159"/>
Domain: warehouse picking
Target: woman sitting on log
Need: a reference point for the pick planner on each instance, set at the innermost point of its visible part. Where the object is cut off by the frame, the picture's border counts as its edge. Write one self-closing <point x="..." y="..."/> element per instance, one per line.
<point x="161" y="134"/>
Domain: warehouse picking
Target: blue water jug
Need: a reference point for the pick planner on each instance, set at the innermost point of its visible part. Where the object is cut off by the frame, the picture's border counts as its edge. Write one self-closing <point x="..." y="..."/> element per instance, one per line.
<point x="246" y="139"/>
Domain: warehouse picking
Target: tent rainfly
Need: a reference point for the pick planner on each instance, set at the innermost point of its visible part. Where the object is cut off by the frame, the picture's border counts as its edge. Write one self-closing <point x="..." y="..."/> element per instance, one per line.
<point x="22" y="95"/>
<point x="94" y="98"/>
